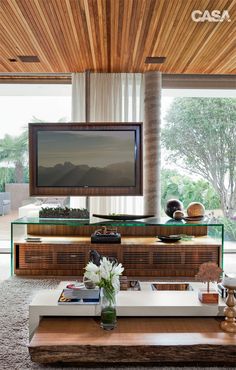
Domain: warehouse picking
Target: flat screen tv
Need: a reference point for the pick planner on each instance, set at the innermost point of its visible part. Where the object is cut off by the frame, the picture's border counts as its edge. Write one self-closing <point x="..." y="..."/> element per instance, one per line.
<point x="85" y="159"/>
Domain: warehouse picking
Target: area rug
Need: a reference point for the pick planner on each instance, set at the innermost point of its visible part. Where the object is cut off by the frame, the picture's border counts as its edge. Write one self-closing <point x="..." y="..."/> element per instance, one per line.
<point x="16" y="293"/>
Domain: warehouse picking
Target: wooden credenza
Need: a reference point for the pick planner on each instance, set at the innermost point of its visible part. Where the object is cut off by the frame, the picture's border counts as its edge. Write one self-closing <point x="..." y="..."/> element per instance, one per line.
<point x="141" y="256"/>
<point x="65" y="245"/>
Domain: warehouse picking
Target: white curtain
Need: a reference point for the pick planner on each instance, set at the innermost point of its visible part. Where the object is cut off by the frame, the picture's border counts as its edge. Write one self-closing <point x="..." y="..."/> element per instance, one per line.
<point x="78" y="115"/>
<point x="78" y="97"/>
<point x="114" y="97"/>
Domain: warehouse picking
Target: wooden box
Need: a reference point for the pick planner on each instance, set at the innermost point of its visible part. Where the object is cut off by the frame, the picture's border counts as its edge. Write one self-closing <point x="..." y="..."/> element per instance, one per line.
<point x="208" y="297"/>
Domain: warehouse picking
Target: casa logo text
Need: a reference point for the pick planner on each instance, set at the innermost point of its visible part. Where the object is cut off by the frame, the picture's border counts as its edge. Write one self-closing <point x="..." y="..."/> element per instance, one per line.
<point x="210" y="16"/>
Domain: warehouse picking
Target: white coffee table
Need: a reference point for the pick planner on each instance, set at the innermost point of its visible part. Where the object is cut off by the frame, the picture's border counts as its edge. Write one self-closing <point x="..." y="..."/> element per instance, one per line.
<point x="129" y="303"/>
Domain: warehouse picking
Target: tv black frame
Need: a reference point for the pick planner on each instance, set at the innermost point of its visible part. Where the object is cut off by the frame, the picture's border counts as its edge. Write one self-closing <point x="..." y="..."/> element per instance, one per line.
<point x="35" y="190"/>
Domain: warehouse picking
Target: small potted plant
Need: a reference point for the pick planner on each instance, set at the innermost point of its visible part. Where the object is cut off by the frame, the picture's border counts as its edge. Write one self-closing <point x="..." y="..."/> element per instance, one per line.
<point x="106" y="276"/>
<point x="208" y="272"/>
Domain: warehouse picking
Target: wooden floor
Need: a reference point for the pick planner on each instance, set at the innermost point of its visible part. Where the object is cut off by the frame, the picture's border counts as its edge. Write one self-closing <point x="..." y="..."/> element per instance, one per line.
<point x="135" y="340"/>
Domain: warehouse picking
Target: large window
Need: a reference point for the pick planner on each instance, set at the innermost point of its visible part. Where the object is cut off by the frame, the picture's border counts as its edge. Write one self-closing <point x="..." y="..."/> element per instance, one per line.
<point x="21" y="104"/>
<point x="198" y="152"/>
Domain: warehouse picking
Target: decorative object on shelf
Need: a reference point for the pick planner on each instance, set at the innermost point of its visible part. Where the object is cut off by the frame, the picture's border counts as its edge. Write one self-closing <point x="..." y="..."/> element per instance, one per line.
<point x="106" y="235"/>
<point x="106" y="276"/>
<point x="169" y="238"/>
<point x="178" y="215"/>
<point x="96" y="257"/>
<point x="172" y="206"/>
<point x="195" y="209"/>
<point x="193" y="218"/>
<point x="88" y="283"/>
<point x="133" y="285"/>
<point x="208" y="272"/>
<point x="229" y="323"/>
<point x="64" y="212"/>
<point x="122" y="217"/>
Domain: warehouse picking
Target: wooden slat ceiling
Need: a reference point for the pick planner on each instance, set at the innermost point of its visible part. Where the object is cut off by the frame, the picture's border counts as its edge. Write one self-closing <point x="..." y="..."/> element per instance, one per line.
<point x="116" y="36"/>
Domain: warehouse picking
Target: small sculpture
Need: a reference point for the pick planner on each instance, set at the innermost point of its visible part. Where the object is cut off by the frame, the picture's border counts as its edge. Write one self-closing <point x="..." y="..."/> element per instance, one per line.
<point x="178" y="215"/>
<point x="173" y="205"/>
<point x="106" y="231"/>
<point x="96" y="257"/>
<point x="106" y="235"/>
<point x="196" y="209"/>
<point x="208" y="272"/>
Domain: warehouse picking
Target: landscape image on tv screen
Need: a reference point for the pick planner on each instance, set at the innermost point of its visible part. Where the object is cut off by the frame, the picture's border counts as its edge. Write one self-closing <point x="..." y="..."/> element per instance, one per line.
<point x="86" y="158"/>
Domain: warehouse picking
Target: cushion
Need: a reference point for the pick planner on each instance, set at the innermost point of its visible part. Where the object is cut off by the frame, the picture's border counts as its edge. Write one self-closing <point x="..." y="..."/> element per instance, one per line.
<point x="5" y="202"/>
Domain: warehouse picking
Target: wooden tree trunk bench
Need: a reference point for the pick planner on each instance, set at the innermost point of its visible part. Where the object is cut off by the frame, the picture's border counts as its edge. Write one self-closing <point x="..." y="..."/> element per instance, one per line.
<point x="135" y="340"/>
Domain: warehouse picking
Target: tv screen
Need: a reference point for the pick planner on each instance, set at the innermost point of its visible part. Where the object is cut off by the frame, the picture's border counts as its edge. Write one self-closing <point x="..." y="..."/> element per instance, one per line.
<point x="85" y="159"/>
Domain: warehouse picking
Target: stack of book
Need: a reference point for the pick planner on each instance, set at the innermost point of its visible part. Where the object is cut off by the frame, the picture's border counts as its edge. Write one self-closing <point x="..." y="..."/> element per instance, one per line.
<point x="33" y="239"/>
<point x="79" y="296"/>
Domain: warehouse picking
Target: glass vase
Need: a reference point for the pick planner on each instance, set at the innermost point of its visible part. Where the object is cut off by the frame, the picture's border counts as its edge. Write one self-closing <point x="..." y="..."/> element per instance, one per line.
<point x="108" y="310"/>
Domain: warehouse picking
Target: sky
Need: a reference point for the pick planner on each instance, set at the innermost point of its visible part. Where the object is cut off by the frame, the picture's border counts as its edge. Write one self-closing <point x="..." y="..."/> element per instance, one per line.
<point x="92" y="148"/>
<point x="20" y="103"/>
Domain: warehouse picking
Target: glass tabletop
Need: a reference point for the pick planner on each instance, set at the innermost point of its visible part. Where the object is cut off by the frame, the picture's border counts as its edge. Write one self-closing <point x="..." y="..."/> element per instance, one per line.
<point x="97" y="221"/>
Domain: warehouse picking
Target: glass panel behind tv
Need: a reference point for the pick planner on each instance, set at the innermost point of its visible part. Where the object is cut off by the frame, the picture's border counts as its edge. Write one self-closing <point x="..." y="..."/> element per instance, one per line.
<point x="96" y="159"/>
<point x="86" y="158"/>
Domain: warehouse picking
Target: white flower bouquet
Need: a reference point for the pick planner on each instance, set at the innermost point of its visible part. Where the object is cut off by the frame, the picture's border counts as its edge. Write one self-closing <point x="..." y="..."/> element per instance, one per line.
<point x="105" y="276"/>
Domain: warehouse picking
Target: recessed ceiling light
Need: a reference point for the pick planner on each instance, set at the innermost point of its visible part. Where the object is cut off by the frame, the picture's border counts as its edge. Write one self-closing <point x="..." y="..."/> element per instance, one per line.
<point x="155" y="60"/>
<point x="28" y="58"/>
<point x="12" y="60"/>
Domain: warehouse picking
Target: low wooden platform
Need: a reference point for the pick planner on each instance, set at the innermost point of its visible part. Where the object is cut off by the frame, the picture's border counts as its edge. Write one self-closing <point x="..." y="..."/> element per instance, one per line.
<point x="135" y="340"/>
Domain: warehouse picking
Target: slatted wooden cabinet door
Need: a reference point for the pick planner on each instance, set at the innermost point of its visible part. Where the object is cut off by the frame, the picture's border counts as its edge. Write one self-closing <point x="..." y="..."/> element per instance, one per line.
<point x="55" y="259"/>
<point x="50" y="256"/>
<point x="167" y="261"/>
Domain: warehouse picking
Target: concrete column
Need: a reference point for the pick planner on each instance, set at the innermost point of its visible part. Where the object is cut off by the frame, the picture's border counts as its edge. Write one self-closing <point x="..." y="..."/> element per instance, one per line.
<point x="152" y="143"/>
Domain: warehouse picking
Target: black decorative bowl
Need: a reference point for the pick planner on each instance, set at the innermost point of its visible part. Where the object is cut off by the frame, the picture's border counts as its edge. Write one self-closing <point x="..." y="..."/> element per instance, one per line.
<point x="122" y="217"/>
<point x="169" y="238"/>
